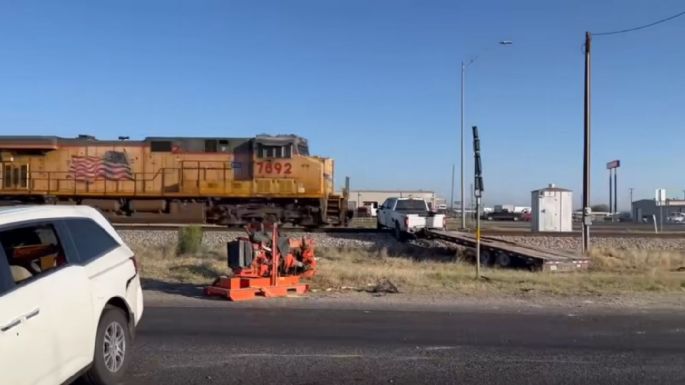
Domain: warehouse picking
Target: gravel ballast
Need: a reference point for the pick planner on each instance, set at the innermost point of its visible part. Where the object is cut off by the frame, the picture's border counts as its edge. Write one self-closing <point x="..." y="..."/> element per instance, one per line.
<point x="138" y="239"/>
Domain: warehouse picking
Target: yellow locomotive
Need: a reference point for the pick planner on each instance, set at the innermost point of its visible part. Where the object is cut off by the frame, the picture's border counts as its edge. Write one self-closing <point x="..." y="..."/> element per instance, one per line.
<point x="215" y="180"/>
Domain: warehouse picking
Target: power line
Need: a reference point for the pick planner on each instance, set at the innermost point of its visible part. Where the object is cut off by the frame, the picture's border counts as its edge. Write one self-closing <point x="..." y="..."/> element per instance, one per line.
<point x="640" y="27"/>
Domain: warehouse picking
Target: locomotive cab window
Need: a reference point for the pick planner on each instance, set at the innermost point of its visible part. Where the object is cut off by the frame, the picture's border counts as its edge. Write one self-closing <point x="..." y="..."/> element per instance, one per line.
<point x="303" y="149"/>
<point x="212" y="145"/>
<point x="265" y="151"/>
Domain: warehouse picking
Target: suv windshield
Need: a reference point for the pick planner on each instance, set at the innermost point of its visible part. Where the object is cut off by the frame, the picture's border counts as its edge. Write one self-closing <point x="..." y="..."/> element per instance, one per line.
<point x="410" y="205"/>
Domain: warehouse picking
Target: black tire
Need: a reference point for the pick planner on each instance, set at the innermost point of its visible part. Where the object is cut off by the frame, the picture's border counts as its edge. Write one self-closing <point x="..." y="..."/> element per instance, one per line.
<point x="398" y="233"/>
<point x="486" y="258"/>
<point x="503" y="259"/>
<point x="113" y="321"/>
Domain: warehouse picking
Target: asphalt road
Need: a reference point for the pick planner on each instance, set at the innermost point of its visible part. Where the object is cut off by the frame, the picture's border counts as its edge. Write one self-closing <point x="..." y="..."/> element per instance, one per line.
<point x="236" y="345"/>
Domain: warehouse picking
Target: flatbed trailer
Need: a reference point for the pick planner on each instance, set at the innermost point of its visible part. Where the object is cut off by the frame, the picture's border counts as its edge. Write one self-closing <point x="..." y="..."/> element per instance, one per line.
<point x="510" y="254"/>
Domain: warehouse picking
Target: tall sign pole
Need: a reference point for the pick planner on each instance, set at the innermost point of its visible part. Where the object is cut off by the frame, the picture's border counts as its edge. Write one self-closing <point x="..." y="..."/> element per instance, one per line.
<point x="478" y="192"/>
<point x="611" y="195"/>
<point x="613" y="192"/>
<point x="587" y="211"/>
<point x="616" y="191"/>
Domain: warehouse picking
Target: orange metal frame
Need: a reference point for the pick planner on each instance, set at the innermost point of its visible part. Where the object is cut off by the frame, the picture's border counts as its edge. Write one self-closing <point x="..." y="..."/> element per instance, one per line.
<point x="249" y="286"/>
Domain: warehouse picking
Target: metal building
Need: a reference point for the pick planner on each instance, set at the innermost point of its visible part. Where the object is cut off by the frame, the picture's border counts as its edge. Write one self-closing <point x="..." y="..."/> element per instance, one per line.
<point x="552" y="209"/>
<point x="646" y="210"/>
<point x="361" y="198"/>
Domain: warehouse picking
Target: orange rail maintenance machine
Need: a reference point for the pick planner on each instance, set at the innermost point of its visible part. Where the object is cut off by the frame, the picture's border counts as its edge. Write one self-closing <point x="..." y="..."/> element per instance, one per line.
<point x="266" y="265"/>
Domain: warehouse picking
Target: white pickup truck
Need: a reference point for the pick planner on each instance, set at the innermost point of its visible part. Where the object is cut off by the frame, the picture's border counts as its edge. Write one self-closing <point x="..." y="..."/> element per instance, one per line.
<point x="407" y="217"/>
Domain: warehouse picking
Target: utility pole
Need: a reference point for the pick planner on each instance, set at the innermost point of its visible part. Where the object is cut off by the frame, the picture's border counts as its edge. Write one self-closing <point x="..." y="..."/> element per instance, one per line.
<point x="452" y="191"/>
<point x="587" y="218"/>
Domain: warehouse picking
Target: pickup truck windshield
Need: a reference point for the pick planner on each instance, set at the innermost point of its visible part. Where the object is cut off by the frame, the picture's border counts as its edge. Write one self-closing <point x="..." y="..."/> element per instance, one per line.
<point x="410" y="205"/>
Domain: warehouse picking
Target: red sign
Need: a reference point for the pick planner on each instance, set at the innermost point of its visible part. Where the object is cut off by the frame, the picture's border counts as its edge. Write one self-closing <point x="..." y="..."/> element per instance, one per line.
<point x="613" y="164"/>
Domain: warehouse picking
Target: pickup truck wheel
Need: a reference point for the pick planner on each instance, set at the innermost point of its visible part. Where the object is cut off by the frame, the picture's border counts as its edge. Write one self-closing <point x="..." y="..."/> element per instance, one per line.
<point x="379" y="226"/>
<point x="398" y="232"/>
<point x="112" y="349"/>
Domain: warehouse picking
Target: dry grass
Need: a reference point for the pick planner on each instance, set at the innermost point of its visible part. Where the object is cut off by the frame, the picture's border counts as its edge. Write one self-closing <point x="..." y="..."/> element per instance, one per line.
<point x="613" y="272"/>
<point x="359" y="269"/>
<point x="166" y="266"/>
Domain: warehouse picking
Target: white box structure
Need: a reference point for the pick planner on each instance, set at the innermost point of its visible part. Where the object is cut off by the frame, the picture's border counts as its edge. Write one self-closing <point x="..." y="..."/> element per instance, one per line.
<point x="552" y="209"/>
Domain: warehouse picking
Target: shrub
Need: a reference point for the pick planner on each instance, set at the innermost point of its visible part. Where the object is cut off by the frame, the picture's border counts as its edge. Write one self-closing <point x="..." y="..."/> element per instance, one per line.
<point x="189" y="240"/>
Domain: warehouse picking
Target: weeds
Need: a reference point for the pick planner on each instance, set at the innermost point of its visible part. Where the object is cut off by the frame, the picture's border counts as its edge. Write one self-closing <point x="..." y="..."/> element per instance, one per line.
<point x="189" y="240"/>
<point x="430" y="271"/>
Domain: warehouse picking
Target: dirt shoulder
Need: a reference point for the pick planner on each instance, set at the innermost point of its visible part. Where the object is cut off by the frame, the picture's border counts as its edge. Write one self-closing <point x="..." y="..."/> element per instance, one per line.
<point x="180" y="295"/>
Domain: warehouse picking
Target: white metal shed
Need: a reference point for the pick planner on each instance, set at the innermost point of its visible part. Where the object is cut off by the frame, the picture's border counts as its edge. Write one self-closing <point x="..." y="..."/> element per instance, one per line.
<point x="552" y="209"/>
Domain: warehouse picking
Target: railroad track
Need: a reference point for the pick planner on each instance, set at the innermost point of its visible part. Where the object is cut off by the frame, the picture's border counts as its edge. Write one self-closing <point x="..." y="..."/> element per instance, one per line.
<point x="603" y="233"/>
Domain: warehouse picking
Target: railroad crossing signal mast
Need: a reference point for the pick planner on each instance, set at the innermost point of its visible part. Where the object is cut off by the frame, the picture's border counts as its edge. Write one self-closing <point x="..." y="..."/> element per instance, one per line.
<point x="477" y="192"/>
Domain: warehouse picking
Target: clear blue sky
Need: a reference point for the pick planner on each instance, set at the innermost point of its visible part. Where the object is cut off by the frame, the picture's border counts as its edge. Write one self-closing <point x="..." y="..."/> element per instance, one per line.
<point x="373" y="84"/>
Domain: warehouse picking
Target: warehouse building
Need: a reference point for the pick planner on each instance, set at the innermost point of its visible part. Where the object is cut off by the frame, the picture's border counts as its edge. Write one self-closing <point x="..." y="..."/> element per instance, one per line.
<point x="374" y="198"/>
<point x="645" y="210"/>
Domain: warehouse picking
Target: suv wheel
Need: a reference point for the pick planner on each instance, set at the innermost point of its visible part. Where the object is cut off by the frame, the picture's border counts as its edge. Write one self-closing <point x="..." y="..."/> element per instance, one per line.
<point x="112" y="349"/>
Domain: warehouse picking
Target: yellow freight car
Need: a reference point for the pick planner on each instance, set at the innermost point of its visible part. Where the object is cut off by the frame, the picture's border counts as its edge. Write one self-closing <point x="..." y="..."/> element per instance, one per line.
<point x="216" y="180"/>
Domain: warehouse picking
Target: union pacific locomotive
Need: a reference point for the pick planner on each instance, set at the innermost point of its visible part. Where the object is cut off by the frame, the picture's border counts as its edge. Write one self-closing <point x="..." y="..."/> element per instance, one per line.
<point x="228" y="181"/>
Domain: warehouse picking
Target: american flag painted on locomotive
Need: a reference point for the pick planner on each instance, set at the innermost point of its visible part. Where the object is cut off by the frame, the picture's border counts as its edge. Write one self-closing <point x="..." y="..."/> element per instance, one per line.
<point x="111" y="166"/>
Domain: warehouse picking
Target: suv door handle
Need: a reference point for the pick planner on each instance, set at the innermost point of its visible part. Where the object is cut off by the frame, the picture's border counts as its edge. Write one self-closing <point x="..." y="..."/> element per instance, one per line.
<point x="32" y="313"/>
<point x="10" y="325"/>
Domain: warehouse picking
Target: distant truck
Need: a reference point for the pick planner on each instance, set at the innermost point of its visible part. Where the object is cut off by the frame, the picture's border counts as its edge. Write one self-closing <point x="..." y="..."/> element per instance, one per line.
<point x="503" y="216"/>
<point x="512" y="209"/>
<point x="407" y="217"/>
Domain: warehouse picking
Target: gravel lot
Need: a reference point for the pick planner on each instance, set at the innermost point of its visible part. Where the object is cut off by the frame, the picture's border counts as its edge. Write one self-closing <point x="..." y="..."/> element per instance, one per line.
<point x="217" y="240"/>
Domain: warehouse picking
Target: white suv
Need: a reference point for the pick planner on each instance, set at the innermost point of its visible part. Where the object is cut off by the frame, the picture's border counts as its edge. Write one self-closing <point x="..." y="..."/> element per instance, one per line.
<point x="70" y="296"/>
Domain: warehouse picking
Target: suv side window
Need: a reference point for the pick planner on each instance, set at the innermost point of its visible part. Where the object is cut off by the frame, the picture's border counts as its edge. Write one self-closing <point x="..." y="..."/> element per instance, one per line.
<point x="91" y="240"/>
<point x="32" y="250"/>
<point x="6" y="281"/>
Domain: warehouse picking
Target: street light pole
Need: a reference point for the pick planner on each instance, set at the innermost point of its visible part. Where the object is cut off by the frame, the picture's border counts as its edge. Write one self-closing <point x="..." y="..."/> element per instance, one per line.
<point x="461" y="204"/>
<point x="463" y="70"/>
